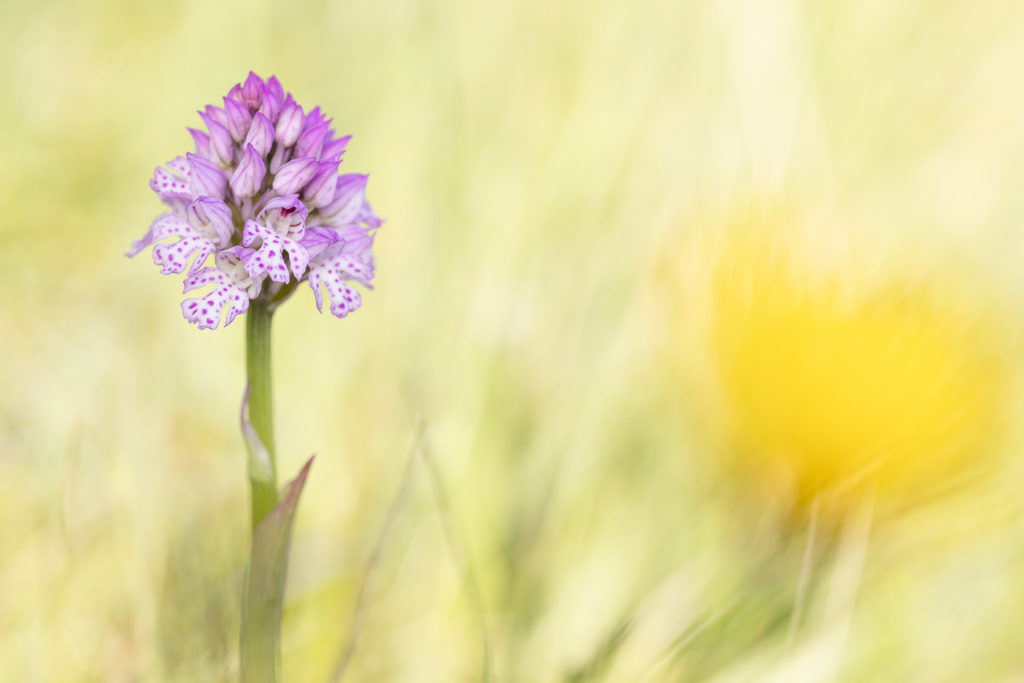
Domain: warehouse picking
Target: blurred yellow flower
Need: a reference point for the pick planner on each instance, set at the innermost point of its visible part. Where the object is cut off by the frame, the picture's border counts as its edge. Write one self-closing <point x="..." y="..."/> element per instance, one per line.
<point x="833" y="376"/>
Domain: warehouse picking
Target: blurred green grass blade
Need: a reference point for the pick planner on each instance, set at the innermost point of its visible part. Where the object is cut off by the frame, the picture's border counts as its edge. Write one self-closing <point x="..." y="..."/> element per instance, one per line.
<point x="263" y="594"/>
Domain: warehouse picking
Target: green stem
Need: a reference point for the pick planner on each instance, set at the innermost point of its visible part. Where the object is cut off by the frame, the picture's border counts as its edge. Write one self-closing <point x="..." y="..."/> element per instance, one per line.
<point x="261" y="407"/>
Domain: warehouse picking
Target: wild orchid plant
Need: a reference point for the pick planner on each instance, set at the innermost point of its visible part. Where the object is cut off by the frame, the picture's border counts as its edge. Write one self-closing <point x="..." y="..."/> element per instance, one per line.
<point x="262" y="195"/>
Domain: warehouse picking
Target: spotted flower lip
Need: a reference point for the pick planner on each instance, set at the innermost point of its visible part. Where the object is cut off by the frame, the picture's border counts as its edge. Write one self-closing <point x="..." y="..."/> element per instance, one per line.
<point x="262" y="196"/>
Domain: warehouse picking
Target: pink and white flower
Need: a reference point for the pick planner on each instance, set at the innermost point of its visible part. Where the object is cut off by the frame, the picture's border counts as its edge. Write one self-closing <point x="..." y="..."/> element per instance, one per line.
<point x="261" y="194"/>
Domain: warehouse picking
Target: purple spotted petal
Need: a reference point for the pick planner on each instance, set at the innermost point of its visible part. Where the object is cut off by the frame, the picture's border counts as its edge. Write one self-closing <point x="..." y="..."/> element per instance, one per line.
<point x="331" y="274"/>
<point x="349" y="258"/>
<point x="174" y="257"/>
<point x="206" y="311"/>
<point x="146" y="240"/>
<point x="268" y="257"/>
<point x="173" y="179"/>
<point x="172" y="184"/>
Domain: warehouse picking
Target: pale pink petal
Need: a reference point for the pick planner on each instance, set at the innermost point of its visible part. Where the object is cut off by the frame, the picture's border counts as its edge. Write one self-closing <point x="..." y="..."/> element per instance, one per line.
<point x="205" y="312"/>
<point x="344" y="299"/>
<point x="174" y="256"/>
<point x="268" y="257"/>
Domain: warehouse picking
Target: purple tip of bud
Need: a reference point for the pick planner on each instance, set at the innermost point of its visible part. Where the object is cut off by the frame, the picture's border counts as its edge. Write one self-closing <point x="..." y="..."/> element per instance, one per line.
<point x="313" y="118"/>
<point x="289" y="123"/>
<point x="272" y="102"/>
<point x="238" y="118"/>
<point x="206" y="214"/>
<point x="215" y="113"/>
<point x="252" y="90"/>
<point x="294" y="175"/>
<point x="311" y="141"/>
<point x="207" y="180"/>
<point x="202" y="141"/>
<point x="349" y="196"/>
<point x="221" y="144"/>
<point x="261" y="134"/>
<point x="320" y="189"/>
<point x="248" y="177"/>
<point x="274" y="86"/>
<point x="333" y="149"/>
<point x="236" y="93"/>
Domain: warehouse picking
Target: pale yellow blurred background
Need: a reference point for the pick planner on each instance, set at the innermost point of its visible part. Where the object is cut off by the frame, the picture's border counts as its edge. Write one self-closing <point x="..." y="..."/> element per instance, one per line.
<point x="554" y="176"/>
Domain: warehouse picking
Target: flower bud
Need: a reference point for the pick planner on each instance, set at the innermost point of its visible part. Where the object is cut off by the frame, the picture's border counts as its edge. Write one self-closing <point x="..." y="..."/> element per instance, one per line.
<point x="311" y="140"/>
<point x="211" y="217"/>
<point x="202" y="141"/>
<point x="274" y="87"/>
<point x="294" y="175"/>
<point x="320" y="189"/>
<point x="333" y="149"/>
<point x="222" y="147"/>
<point x="252" y="91"/>
<point x="248" y="177"/>
<point x="215" y="113"/>
<point x="238" y="118"/>
<point x="344" y="207"/>
<point x="261" y="134"/>
<point x="289" y="124"/>
<point x="206" y="179"/>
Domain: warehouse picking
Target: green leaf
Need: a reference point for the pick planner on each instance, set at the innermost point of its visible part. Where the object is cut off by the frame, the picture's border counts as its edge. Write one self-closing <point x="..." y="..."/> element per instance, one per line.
<point x="263" y="595"/>
<point x="261" y="467"/>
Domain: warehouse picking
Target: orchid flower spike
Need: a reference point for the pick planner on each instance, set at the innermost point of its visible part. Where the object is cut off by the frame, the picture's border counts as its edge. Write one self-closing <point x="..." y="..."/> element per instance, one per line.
<point x="262" y="196"/>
